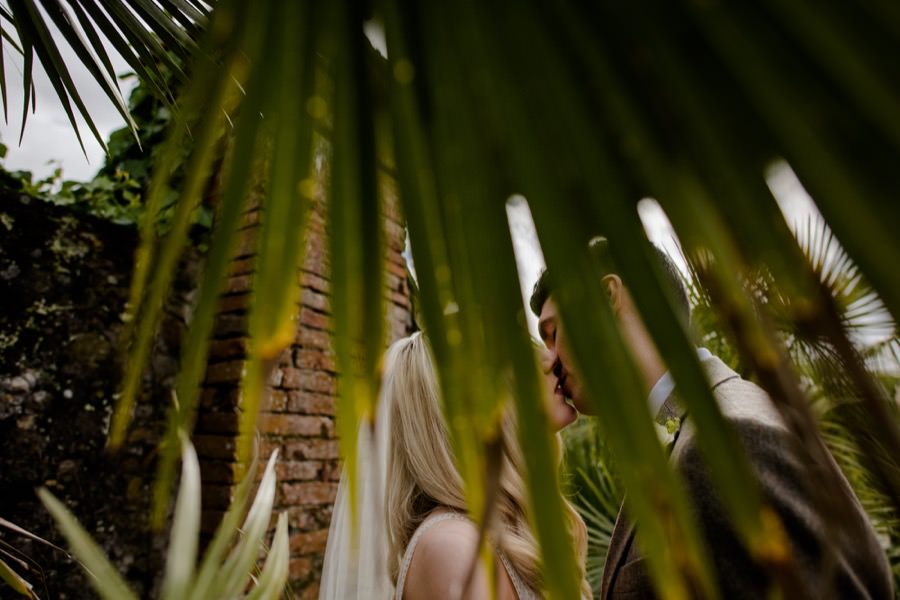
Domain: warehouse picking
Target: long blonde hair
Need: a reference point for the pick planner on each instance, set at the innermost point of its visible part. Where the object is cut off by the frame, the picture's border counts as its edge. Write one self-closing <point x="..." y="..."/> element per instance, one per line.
<point x="422" y="476"/>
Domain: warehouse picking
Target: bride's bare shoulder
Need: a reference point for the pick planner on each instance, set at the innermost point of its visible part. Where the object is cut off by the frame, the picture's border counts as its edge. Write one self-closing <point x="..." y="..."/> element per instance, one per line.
<point x="441" y="563"/>
<point x="441" y="560"/>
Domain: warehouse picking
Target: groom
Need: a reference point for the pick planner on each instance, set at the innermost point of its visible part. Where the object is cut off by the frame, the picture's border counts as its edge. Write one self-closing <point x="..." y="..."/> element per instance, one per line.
<point x="860" y="569"/>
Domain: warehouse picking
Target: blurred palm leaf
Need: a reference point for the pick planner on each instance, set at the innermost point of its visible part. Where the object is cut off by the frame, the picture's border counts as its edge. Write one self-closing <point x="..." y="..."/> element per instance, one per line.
<point x="588" y="470"/>
<point x="844" y="422"/>
<point x="584" y="108"/>
<point x="16" y="581"/>
<point x="146" y="33"/>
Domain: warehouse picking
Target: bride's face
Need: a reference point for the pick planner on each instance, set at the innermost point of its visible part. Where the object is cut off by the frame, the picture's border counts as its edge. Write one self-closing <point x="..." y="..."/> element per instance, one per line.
<point x="559" y="412"/>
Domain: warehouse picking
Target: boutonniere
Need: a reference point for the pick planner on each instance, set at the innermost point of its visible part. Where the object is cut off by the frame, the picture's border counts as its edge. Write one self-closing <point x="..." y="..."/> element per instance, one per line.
<point x="667" y="431"/>
<point x="673" y="425"/>
<point x="665" y="436"/>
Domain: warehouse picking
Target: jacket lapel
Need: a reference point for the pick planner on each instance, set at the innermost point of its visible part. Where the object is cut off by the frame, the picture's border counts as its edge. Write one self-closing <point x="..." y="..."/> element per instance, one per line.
<point x="619" y="542"/>
<point x="671" y="415"/>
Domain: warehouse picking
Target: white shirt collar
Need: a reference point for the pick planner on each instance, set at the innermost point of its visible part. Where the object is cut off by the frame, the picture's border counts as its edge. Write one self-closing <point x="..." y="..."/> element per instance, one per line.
<point x="665" y="385"/>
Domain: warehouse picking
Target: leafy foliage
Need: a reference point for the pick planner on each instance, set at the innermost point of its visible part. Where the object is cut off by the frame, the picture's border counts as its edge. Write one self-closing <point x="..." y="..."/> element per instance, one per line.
<point x="117" y="192"/>
<point x="860" y="454"/>
<point x="589" y="478"/>
<point x="583" y="108"/>
<point x="589" y="468"/>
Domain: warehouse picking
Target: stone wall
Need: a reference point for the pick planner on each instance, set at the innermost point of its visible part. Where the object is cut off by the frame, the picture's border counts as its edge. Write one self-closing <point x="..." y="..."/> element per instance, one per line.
<point x="64" y="281"/>
<point x="63" y="285"/>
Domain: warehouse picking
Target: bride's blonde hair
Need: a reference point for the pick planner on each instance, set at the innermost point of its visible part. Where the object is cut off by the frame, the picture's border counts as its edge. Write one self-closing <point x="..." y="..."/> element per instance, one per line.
<point x="422" y="476"/>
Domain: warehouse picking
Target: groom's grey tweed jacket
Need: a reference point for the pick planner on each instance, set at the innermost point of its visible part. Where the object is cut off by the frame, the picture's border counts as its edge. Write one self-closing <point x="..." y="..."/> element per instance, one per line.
<point x="860" y="568"/>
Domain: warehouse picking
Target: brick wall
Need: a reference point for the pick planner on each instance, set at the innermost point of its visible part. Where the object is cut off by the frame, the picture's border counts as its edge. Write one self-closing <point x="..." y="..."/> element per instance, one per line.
<point x="299" y="403"/>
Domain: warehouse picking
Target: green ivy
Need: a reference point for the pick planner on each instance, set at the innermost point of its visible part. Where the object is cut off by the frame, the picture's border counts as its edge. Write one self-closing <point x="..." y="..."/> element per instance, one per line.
<point x="116" y="193"/>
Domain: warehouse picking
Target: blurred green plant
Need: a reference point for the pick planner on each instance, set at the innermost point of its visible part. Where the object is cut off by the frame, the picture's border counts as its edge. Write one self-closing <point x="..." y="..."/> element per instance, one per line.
<point x="228" y="569"/>
<point x="589" y="480"/>
<point x="26" y="567"/>
<point x="840" y="411"/>
<point x="116" y="193"/>
<point x="589" y="468"/>
<point x="584" y="109"/>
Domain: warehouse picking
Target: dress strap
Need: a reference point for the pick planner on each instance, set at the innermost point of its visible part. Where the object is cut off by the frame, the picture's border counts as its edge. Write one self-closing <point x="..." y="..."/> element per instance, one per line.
<point x="522" y="591"/>
<point x="411" y="547"/>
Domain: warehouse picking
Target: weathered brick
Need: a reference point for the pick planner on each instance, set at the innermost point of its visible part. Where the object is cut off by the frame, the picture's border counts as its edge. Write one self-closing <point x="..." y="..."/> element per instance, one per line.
<point x="318" y="381"/>
<point x="312" y="492"/>
<point x="228" y="348"/>
<point x="303" y="470"/>
<point x="217" y="496"/>
<point x="317" y="225"/>
<point x="215" y="446"/>
<point x="286" y="358"/>
<point x="242" y="266"/>
<point x="398" y="270"/>
<point x="250" y="218"/>
<point x="305" y="518"/>
<point x="310" y="403"/>
<point x="269" y="445"/>
<point x="218" y="471"/>
<point x="394" y="282"/>
<point x="315" y="300"/>
<point x="290" y="378"/>
<point x="238" y="284"/>
<point x="303" y="543"/>
<point x="230" y="324"/>
<point x="309" y="380"/>
<point x="311" y="592"/>
<point x="289" y="424"/>
<point x="311" y="450"/>
<point x="274" y="378"/>
<point x="299" y="568"/>
<point x="247" y="242"/>
<point x="276" y="401"/>
<point x="394" y="234"/>
<point x="220" y="398"/>
<point x="218" y="422"/>
<point x="316" y="262"/>
<point x="311" y="338"/>
<point x="314" y="319"/>
<point x="399" y="299"/>
<point x="332" y="471"/>
<point x="314" y="359"/>
<point x="209" y="521"/>
<point x="315" y="282"/>
<point x="234" y="303"/>
<point x="225" y="372"/>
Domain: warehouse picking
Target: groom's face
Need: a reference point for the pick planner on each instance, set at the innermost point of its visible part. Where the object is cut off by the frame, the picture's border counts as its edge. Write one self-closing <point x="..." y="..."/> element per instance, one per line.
<point x="568" y="383"/>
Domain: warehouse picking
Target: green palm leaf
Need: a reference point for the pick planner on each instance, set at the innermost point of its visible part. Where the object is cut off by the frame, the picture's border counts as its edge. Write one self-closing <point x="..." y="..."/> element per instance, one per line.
<point x="584" y="109"/>
<point x="141" y="31"/>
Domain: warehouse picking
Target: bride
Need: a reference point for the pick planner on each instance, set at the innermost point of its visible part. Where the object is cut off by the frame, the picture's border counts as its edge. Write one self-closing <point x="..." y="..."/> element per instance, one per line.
<point x="413" y="538"/>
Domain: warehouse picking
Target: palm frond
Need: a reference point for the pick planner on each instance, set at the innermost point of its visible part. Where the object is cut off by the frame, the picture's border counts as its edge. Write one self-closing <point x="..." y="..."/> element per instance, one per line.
<point x="583" y="109"/>
<point x="145" y="33"/>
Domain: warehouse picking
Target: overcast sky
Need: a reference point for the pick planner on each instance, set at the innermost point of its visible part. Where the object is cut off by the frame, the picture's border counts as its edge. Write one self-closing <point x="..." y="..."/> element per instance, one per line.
<point x="48" y="134"/>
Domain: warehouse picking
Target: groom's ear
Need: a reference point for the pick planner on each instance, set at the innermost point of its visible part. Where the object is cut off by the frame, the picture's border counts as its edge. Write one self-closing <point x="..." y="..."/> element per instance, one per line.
<point x="614" y="290"/>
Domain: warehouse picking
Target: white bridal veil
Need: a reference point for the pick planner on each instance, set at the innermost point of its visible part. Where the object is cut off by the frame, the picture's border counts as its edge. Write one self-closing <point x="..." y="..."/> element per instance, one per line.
<point x="356" y="558"/>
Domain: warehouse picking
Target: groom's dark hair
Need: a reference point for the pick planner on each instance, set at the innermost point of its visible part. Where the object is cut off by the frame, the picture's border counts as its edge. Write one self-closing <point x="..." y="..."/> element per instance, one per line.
<point x="599" y="249"/>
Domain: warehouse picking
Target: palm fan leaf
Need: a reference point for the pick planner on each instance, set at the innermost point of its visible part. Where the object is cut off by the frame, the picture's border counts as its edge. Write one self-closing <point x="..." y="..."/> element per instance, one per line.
<point x="584" y="109"/>
<point x="146" y="33"/>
